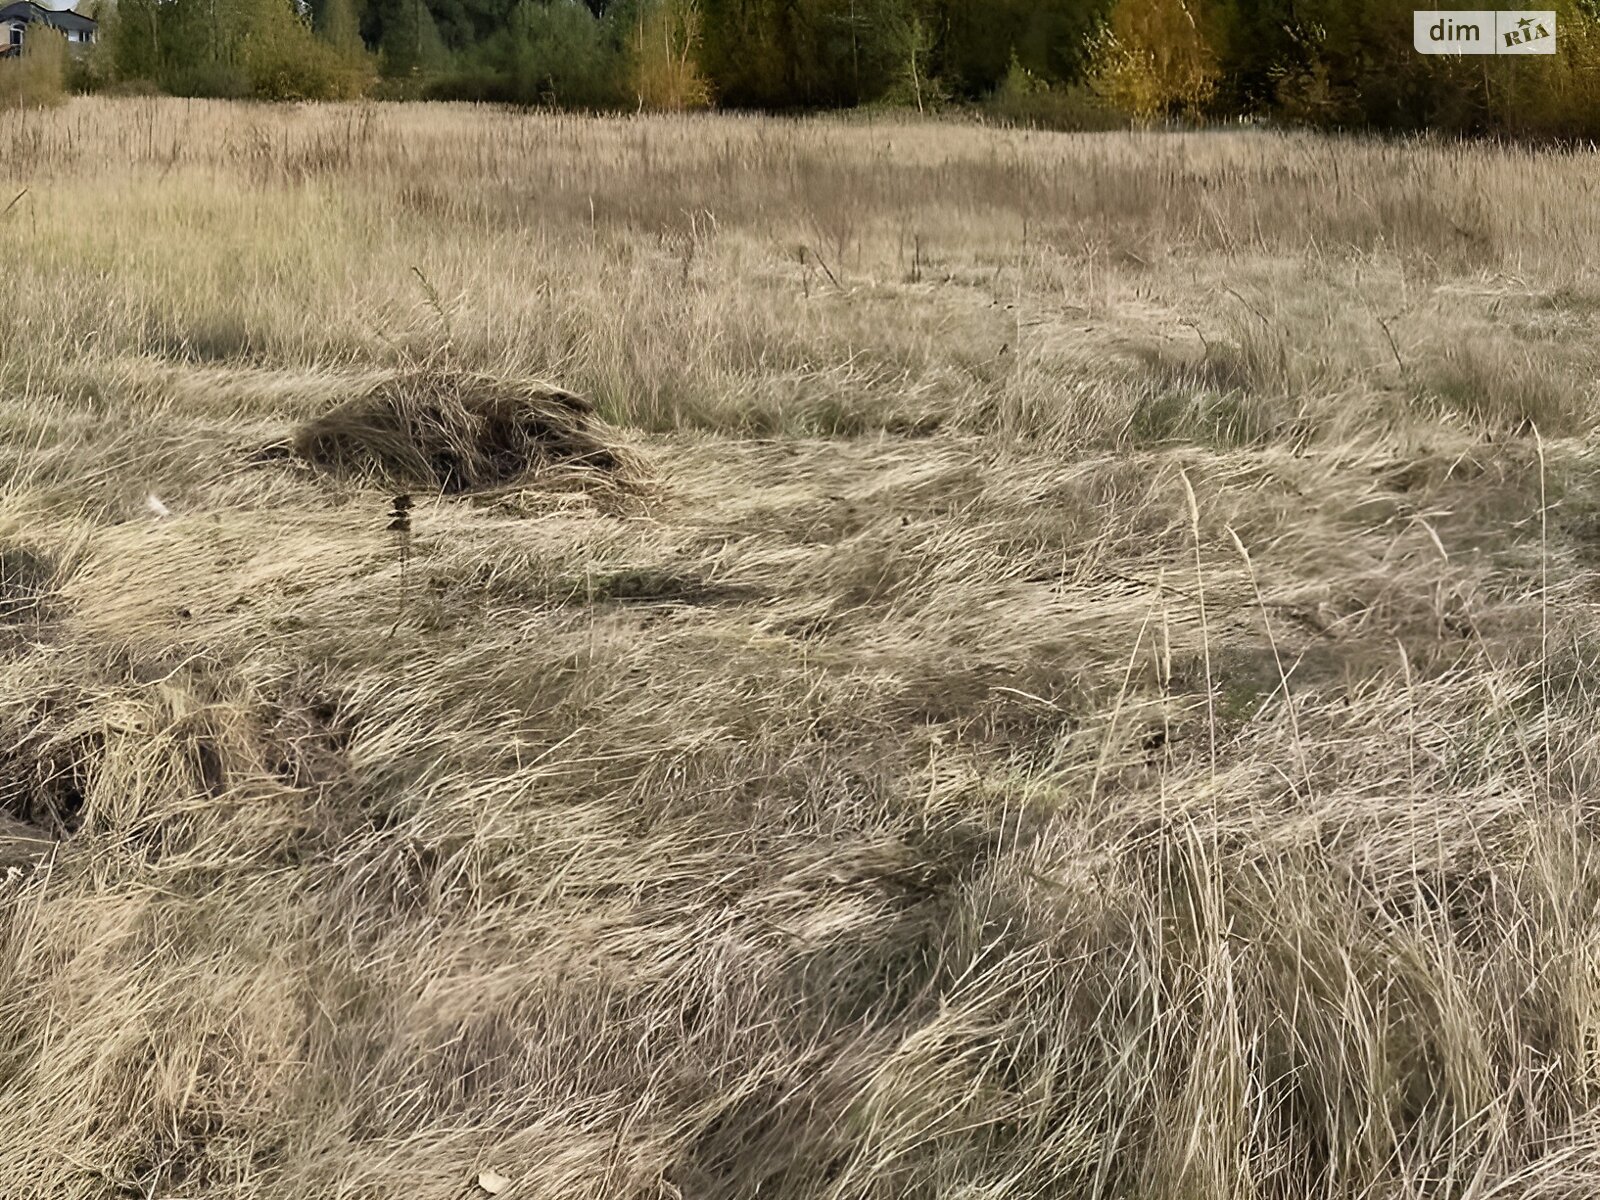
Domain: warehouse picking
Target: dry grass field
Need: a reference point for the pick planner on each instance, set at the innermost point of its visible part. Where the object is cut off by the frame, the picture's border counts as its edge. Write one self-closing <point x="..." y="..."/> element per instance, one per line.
<point x="1056" y="666"/>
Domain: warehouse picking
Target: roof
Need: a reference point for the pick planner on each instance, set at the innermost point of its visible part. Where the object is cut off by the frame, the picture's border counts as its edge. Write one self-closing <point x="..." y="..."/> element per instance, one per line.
<point x="63" y="19"/>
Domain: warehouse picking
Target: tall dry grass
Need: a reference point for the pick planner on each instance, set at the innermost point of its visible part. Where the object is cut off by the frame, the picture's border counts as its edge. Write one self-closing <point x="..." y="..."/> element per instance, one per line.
<point x="1093" y="698"/>
<point x="37" y="77"/>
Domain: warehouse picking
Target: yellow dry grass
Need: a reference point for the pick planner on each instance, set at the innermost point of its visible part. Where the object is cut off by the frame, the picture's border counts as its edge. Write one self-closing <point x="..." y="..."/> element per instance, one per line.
<point x="1093" y="700"/>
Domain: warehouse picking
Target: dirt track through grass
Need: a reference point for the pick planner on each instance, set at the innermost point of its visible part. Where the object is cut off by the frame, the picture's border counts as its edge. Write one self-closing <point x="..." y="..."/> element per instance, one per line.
<point x="899" y="788"/>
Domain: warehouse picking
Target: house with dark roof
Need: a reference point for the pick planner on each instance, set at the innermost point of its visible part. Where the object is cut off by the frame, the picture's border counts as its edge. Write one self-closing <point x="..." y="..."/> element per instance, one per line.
<point x="15" y="18"/>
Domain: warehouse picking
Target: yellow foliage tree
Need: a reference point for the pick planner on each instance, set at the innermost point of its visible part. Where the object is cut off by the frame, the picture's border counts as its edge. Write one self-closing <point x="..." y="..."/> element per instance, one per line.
<point x="1152" y="60"/>
<point x="665" y="48"/>
<point x="1558" y="95"/>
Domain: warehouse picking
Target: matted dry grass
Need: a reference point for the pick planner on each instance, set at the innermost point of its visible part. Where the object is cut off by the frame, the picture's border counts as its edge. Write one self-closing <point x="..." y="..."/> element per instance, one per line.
<point x="1089" y="693"/>
<point x="456" y="431"/>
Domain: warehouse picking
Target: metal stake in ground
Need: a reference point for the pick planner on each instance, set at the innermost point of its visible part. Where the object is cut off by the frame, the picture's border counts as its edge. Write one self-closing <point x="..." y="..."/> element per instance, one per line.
<point x="400" y="526"/>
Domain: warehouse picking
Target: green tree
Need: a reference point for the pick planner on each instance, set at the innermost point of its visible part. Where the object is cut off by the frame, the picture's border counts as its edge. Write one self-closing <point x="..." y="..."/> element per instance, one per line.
<point x="1352" y="63"/>
<point x="749" y="51"/>
<point x="975" y="40"/>
<point x="338" y="27"/>
<point x="549" y="52"/>
<point x="261" y="48"/>
<point x="914" y="85"/>
<point x="338" y="22"/>
<point x="1258" y="42"/>
<point x="130" y="38"/>
<point x="804" y="53"/>
<point x="282" y="58"/>
<point x="199" y="41"/>
<point x="411" y="47"/>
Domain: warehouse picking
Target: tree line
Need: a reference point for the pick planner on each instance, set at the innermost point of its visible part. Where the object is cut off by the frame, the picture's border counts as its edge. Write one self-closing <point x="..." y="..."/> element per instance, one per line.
<point x="1064" y="63"/>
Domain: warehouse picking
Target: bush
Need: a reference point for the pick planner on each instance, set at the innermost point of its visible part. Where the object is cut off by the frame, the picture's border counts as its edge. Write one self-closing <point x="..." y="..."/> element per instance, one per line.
<point x="1025" y="99"/>
<point x="210" y="80"/>
<point x="37" y="78"/>
<point x="557" y="53"/>
<point x="910" y="83"/>
<point x="135" y="87"/>
<point x="90" y="69"/>
<point x="300" y="66"/>
<point x="283" y="60"/>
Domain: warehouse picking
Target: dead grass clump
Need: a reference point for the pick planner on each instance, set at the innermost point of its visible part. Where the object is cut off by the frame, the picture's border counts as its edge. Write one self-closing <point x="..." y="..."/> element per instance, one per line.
<point x="463" y="432"/>
<point x="1501" y="388"/>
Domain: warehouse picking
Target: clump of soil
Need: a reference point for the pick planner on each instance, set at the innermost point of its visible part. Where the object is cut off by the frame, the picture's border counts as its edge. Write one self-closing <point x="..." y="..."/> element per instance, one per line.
<point x="458" y="431"/>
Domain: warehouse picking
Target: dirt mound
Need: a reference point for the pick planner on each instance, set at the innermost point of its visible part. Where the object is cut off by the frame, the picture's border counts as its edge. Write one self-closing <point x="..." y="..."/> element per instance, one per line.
<point x="463" y="432"/>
